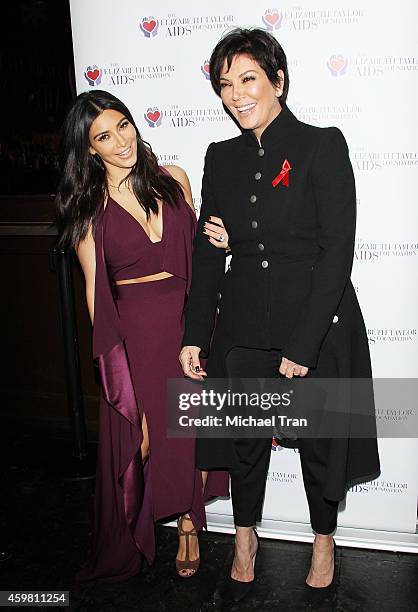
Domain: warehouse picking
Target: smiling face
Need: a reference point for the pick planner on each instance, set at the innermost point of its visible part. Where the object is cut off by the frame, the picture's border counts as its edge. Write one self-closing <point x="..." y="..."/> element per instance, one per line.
<point x="249" y="95"/>
<point x="113" y="137"/>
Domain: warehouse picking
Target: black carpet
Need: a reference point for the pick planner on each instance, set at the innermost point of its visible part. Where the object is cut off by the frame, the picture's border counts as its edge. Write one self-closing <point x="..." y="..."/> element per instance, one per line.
<point x="45" y="525"/>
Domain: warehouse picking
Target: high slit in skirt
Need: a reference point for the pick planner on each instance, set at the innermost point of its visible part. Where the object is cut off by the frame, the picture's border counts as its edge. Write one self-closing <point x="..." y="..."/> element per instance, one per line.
<point x="168" y="482"/>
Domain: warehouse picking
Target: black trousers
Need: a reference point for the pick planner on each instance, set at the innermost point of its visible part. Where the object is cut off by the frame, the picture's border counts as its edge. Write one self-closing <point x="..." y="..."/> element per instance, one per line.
<point x="248" y="481"/>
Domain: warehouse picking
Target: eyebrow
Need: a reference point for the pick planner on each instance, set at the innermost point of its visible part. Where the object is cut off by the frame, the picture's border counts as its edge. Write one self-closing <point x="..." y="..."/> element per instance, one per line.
<point x="107" y="131"/>
<point x="240" y="75"/>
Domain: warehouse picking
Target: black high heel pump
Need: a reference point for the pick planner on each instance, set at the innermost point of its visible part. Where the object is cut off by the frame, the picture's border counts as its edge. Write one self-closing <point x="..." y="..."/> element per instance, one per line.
<point x="239" y="589"/>
<point x="331" y="584"/>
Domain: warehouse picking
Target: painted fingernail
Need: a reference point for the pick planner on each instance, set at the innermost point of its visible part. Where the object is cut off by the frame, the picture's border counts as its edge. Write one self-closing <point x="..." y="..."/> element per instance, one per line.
<point x="197" y="369"/>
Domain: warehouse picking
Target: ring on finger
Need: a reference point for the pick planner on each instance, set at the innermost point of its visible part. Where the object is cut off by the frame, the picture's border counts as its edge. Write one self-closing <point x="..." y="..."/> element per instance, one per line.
<point x="221" y="238"/>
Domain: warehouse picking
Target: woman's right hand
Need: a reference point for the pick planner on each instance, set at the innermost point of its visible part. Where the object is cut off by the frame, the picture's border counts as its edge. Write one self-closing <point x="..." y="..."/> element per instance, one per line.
<point x="189" y="359"/>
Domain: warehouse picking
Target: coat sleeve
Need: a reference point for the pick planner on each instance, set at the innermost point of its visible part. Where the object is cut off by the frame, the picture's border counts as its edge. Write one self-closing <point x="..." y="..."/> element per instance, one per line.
<point x="207" y="271"/>
<point x="334" y="192"/>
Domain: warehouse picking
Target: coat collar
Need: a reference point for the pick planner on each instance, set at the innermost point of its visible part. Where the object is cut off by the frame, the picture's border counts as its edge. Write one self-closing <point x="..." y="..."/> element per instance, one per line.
<point x="274" y="132"/>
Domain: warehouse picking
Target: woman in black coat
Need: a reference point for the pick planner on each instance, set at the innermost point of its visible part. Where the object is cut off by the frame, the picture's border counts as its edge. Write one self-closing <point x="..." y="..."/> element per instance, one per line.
<point x="285" y="191"/>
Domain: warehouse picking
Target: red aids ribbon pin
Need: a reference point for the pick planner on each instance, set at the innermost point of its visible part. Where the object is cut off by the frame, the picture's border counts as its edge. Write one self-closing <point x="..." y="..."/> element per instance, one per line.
<point x="283" y="176"/>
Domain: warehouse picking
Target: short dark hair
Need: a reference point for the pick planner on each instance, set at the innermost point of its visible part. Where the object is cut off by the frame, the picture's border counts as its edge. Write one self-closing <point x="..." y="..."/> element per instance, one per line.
<point x="256" y="43"/>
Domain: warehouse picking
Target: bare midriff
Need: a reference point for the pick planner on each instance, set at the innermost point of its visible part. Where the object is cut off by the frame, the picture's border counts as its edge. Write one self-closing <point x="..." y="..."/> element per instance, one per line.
<point x="144" y="279"/>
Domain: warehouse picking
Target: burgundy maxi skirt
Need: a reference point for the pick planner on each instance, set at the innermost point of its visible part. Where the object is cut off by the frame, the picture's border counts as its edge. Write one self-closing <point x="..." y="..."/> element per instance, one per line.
<point x="168" y="482"/>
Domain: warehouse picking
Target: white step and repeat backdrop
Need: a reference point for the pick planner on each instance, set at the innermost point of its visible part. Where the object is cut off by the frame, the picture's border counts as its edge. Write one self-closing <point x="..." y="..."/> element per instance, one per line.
<point x="352" y="64"/>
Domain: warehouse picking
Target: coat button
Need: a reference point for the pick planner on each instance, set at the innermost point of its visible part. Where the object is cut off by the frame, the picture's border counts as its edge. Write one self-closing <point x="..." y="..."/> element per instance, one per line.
<point x="254" y="224"/>
<point x="261" y="246"/>
<point x="264" y="263"/>
<point x="253" y="199"/>
<point x="257" y="176"/>
<point x="219" y="296"/>
<point x="335" y="319"/>
<point x="261" y="152"/>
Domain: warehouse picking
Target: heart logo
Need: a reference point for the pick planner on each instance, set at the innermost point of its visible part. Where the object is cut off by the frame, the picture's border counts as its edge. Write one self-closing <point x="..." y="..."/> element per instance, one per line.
<point x="93" y="75"/>
<point x="205" y="69"/>
<point x="149" y="26"/>
<point x="272" y="19"/>
<point x="337" y="65"/>
<point x="153" y="117"/>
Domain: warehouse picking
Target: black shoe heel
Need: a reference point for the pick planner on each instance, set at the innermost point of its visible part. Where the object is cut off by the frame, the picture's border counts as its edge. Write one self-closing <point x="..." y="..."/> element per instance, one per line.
<point x="238" y="589"/>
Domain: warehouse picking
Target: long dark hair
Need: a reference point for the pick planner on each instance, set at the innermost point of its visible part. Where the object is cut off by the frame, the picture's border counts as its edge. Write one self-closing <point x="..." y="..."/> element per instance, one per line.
<point x="83" y="184"/>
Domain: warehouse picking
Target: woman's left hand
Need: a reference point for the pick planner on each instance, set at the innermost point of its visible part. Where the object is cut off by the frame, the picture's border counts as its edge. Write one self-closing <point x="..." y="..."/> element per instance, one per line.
<point x="216" y="232"/>
<point x="290" y="368"/>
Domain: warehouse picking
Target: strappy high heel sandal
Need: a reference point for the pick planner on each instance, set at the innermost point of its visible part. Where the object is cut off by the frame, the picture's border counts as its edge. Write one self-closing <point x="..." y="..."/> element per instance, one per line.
<point x="187" y="564"/>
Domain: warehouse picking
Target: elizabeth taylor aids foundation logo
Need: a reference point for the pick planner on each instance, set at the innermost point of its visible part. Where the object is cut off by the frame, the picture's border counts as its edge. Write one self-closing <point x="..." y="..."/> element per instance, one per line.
<point x="369" y="250"/>
<point x="153" y="117"/>
<point x="180" y="25"/>
<point x="311" y="18"/>
<point x="370" y="66"/>
<point x="205" y="69"/>
<point x="116" y="74"/>
<point x="289" y="478"/>
<point x="178" y="117"/>
<point x="149" y="26"/>
<point x="365" y="160"/>
<point x="93" y="75"/>
<point x="272" y="19"/>
<point x="392" y="334"/>
<point x="166" y="159"/>
<point x="326" y="114"/>
<point x="337" y="65"/>
<point x="396" y="488"/>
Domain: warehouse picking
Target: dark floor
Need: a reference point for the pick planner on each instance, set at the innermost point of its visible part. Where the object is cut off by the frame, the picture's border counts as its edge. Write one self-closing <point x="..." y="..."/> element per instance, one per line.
<point x="46" y="523"/>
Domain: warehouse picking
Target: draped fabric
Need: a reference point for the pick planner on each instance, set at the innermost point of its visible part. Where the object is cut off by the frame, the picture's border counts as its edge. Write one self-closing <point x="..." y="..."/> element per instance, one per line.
<point x="131" y="496"/>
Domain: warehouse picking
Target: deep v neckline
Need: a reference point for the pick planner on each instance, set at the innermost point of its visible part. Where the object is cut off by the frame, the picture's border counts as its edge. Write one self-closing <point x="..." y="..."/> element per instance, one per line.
<point x="140" y="224"/>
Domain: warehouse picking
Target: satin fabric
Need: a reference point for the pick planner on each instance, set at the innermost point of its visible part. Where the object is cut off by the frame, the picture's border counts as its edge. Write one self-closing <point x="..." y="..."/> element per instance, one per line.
<point x="126" y="504"/>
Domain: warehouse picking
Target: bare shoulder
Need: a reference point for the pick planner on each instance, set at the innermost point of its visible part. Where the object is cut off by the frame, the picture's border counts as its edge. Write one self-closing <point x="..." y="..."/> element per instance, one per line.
<point x="180" y="175"/>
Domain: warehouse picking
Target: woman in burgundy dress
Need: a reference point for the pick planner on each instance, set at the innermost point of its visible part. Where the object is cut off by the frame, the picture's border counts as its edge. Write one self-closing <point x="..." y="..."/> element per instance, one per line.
<point x="132" y="224"/>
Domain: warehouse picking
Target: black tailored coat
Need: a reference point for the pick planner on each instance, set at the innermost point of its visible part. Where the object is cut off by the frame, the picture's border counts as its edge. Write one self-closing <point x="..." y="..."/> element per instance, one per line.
<point x="288" y="286"/>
